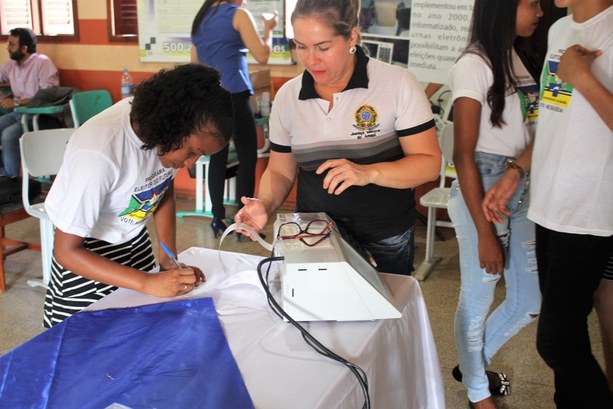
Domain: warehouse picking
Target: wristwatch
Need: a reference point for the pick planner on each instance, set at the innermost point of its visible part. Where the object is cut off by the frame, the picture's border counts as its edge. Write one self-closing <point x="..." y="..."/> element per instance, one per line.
<point x="17" y="101"/>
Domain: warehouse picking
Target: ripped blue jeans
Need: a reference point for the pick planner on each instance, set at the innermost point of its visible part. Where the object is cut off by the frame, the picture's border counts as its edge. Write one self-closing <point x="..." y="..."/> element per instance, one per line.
<point x="478" y="334"/>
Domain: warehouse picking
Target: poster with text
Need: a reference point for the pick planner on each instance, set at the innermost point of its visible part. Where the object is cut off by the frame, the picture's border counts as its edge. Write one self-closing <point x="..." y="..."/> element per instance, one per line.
<point x="439" y="33"/>
<point x="164" y="28"/>
<point x="280" y="53"/>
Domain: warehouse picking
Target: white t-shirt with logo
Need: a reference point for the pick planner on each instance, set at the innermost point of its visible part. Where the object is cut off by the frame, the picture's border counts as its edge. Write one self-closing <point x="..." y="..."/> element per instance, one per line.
<point x="108" y="185"/>
<point x="472" y="77"/>
<point x="572" y="163"/>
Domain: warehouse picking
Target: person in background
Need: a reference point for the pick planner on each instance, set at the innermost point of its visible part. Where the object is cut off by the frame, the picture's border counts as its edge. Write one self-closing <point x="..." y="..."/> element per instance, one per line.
<point x="118" y="172"/>
<point x="358" y="134"/>
<point x="571" y="196"/>
<point x="27" y="72"/>
<point x="222" y="33"/>
<point x="493" y="134"/>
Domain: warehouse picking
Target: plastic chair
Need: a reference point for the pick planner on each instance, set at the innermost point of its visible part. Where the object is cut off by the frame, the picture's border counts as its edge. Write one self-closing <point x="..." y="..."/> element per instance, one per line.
<point x="42" y="153"/>
<point x="87" y="104"/>
<point x="204" y="207"/>
<point x="48" y="105"/>
<point x="34" y="113"/>
<point x="437" y="198"/>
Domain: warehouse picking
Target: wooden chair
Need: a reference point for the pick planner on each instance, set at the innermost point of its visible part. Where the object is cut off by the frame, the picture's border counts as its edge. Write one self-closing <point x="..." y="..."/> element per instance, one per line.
<point x="11" y="213"/>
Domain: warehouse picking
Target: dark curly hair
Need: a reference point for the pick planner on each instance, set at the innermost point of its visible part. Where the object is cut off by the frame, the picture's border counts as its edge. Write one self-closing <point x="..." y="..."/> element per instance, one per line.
<point x="175" y="103"/>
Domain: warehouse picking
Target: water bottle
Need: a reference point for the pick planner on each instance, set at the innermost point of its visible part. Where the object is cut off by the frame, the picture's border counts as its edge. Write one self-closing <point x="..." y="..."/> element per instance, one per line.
<point x="127" y="85"/>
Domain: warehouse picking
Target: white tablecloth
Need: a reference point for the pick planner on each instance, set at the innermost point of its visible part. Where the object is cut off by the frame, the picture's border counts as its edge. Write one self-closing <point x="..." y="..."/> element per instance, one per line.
<point x="281" y="371"/>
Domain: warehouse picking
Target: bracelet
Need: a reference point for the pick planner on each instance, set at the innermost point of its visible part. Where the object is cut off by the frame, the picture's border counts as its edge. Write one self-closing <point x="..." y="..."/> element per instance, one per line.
<point x="511" y="164"/>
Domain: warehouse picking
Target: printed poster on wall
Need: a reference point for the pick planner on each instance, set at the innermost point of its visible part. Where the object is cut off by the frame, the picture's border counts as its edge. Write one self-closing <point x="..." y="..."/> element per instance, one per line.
<point x="164" y="28"/>
<point x="439" y="33"/>
<point x="280" y="53"/>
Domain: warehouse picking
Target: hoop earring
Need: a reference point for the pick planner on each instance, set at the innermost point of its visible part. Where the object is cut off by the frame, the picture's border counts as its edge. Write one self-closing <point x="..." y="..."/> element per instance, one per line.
<point x="352" y="49"/>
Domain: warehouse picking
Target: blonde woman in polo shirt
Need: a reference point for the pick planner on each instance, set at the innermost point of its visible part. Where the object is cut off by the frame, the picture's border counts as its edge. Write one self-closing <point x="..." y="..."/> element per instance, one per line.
<point x="357" y="134"/>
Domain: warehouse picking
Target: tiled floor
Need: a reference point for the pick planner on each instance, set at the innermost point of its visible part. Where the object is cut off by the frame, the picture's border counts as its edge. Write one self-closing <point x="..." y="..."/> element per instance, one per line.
<point x="532" y="381"/>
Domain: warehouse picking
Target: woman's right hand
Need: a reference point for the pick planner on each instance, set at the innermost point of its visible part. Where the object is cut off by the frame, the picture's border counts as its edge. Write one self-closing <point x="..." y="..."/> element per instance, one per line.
<point x="171" y="283"/>
<point x="270" y="20"/>
<point x="254" y="214"/>
<point x="491" y="256"/>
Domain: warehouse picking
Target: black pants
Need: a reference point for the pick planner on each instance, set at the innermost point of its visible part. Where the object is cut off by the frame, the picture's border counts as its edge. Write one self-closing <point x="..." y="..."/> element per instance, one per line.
<point x="570" y="268"/>
<point x="245" y="141"/>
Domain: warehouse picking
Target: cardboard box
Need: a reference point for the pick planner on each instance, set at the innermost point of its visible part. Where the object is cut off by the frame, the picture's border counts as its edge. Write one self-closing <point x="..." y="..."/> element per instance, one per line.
<point x="262" y="82"/>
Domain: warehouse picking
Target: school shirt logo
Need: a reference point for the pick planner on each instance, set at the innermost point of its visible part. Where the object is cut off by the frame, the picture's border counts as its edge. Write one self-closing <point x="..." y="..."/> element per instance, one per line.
<point x="145" y="200"/>
<point x="556" y="93"/>
<point x="529" y="102"/>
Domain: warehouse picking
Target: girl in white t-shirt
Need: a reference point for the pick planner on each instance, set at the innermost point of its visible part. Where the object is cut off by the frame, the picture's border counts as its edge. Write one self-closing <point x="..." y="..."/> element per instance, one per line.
<point x="571" y="196"/>
<point x="495" y="96"/>
<point x="117" y="173"/>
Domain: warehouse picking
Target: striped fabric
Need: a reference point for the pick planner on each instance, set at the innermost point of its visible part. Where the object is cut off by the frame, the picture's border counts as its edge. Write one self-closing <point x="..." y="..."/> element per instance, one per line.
<point x="69" y="293"/>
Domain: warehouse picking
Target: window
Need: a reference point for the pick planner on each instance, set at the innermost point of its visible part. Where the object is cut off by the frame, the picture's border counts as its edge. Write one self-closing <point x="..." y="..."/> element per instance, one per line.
<point x="47" y="18"/>
<point x="123" y="20"/>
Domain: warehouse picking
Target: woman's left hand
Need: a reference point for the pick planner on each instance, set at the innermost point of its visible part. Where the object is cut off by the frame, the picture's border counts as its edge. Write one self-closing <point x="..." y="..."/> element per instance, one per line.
<point x="343" y="174"/>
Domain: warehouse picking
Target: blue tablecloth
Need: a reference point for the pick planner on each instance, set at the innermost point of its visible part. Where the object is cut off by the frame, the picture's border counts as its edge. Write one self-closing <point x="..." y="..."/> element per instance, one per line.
<point x="168" y="355"/>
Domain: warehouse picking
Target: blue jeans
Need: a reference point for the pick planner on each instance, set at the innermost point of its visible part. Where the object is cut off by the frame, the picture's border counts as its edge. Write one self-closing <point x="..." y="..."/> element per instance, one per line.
<point x="479" y="336"/>
<point x="10" y="127"/>
<point x="393" y="254"/>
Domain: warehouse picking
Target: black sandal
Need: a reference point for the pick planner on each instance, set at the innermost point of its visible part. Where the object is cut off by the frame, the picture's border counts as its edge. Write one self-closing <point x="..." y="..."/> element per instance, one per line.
<point x="499" y="382"/>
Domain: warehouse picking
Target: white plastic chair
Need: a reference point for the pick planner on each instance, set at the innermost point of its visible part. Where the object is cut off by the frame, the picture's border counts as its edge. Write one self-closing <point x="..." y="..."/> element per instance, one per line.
<point x="437" y="198"/>
<point x="204" y="206"/>
<point x="42" y="153"/>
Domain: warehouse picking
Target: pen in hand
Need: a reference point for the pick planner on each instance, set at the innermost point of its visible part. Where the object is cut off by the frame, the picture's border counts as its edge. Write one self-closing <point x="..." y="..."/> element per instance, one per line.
<point x="171" y="255"/>
<point x="199" y="275"/>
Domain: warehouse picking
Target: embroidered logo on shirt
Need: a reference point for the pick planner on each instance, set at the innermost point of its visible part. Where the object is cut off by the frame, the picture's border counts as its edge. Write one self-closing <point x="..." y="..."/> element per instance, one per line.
<point x="366" y="118"/>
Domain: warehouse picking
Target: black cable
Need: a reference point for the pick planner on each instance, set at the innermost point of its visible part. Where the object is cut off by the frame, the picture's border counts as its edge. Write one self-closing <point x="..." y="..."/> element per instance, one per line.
<point x="310" y="339"/>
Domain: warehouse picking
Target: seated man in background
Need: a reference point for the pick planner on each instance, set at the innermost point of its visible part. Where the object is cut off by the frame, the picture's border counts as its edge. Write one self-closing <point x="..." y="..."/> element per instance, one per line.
<point x="27" y="72"/>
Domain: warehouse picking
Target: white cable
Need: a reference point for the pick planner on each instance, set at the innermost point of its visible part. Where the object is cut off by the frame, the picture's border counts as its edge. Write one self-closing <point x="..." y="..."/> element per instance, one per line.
<point x="231" y="228"/>
<point x="249" y="229"/>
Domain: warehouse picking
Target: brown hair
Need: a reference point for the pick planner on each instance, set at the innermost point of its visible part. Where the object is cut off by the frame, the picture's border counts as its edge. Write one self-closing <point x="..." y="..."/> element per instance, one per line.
<point x="340" y="15"/>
